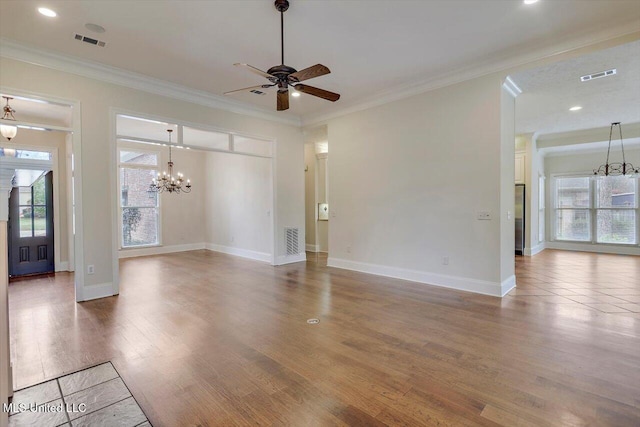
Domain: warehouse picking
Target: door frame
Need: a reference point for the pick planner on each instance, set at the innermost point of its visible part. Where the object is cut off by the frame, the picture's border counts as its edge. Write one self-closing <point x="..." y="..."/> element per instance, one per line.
<point x="76" y="141"/>
<point x="58" y="265"/>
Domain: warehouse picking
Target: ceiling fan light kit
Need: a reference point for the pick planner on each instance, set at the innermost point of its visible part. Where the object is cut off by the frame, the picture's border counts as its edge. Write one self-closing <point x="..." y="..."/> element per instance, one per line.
<point x="284" y="76"/>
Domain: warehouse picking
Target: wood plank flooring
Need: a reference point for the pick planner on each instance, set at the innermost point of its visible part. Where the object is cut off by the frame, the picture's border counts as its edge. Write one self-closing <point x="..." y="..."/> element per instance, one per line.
<point x="207" y="339"/>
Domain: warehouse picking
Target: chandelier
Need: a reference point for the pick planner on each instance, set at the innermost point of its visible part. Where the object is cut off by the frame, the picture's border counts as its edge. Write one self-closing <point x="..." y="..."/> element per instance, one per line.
<point x="614" y="169"/>
<point x="8" y="131"/>
<point x="167" y="181"/>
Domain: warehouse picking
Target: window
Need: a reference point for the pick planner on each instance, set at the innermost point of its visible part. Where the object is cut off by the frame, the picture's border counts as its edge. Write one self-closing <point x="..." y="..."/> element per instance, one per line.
<point x="541" y="209"/>
<point x="33" y="209"/>
<point x="616" y="213"/>
<point x="139" y="207"/>
<point x="597" y="209"/>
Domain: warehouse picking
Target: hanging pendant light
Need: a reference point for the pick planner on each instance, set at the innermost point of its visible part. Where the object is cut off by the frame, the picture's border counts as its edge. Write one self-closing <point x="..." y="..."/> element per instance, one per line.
<point x="167" y="181"/>
<point x="614" y="169"/>
<point x="7" y="130"/>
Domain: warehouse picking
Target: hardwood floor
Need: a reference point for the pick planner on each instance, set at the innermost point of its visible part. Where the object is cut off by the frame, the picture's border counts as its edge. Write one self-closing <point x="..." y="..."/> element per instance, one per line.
<point x="206" y="339"/>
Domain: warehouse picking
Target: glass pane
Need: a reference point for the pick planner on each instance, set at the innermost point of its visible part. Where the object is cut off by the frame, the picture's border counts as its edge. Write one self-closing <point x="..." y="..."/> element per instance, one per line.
<point x="144" y="128"/>
<point x="616" y="226"/>
<point x="138" y="157"/>
<point x="39" y="192"/>
<point x="134" y="187"/>
<point x="139" y="226"/>
<point x="25" y="154"/>
<point x="573" y="224"/>
<point x="616" y="192"/>
<point x="573" y="192"/>
<point x="24" y="195"/>
<point x="25" y="221"/>
<point x="39" y="221"/>
<point x="205" y="139"/>
<point x="251" y="146"/>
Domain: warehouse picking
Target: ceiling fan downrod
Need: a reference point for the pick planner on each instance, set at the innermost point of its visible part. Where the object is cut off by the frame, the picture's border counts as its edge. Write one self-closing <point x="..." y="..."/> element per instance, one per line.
<point x="282" y="6"/>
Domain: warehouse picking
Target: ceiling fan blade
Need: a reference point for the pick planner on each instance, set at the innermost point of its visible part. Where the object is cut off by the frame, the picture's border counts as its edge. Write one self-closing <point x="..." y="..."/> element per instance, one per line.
<point x="254" y="70"/>
<point x="320" y="93"/>
<point x="283" y="100"/>
<point x="309" y="73"/>
<point x="249" y="88"/>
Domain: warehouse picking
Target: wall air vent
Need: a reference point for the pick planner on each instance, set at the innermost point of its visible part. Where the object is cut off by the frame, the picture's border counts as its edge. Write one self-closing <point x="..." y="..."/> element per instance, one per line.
<point x="291" y="240"/>
<point x="599" y="75"/>
<point x="257" y="92"/>
<point x="89" y="40"/>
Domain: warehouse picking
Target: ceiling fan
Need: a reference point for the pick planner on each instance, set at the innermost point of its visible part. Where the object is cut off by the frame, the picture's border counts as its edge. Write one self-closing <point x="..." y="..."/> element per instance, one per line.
<point x="284" y="76"/>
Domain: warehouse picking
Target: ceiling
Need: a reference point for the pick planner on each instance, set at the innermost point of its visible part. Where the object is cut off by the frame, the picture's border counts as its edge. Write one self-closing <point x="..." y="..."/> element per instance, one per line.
<point x="371" y="47"/>
<point x="549" y="92"/>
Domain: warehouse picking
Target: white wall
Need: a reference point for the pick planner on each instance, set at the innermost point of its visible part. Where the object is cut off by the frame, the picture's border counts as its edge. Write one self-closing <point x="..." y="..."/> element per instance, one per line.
<point x="97" y="100"/>
<point x="407" y="180"/>
<point x="238" y="205"/>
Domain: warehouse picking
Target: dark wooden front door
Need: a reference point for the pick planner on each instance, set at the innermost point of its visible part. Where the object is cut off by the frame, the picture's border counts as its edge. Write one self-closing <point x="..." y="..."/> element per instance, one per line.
<point x="31" y="228"/>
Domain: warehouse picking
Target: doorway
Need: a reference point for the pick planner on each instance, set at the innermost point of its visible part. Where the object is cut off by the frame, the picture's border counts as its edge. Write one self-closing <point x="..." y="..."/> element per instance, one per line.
<point x="30" y="226"/>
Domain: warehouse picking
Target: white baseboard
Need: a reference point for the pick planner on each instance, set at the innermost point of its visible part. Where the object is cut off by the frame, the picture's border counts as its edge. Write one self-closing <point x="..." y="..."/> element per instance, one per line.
<point x="158" y="250"/>
<point x="507" y="285"/>
<point x="62" y="266"/>
<point x="454" y="282"/>
<point x="312" y="248"/>
<point x="244" y="253"/>
<point x="534" y="250"/>
<point x="101" y="290"/>
<point x="588" y="247"/>
<point x="290" y="259"/>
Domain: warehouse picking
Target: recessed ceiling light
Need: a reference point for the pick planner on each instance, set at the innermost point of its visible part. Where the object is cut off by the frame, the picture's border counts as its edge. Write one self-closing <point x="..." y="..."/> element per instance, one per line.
<point x="47" y="12"/>
<point x="295" y="94"/>
<point x="576" y="108"/>
<point x="530" y="1"/>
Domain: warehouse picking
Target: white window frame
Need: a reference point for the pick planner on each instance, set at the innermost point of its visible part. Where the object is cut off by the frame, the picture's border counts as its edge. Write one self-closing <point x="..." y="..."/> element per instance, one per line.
<point x="592" y="209"/>
<point x="156" y="169"/>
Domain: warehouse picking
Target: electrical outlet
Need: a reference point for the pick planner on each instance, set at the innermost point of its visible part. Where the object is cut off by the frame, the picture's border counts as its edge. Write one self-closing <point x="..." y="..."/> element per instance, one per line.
<point x="348" y="249"/>
<point x="445" y="260"/>
<point x="232" y="239"/>
<point x="91" y="269"/>
<point x="484" y="216"/>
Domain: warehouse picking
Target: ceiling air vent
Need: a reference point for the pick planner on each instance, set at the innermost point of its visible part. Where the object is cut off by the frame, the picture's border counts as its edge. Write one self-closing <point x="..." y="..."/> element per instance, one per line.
<point x="598" y="75"/>
<point x="257" y="92"/>
<point x="89" y="40"/>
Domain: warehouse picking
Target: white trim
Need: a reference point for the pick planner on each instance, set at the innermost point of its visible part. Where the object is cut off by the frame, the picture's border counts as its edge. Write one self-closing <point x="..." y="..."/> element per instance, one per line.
<point x="159" y="250"/>
<point x="93" y="70"/>
<point x="102" y="290"/>
<point x="290" y="259"/>
<point x="594" y="247"/>
<point x="244" y="253"/>
<point x="534" y="250"/>
<point x="62" y="266"/>
<point x="312" y="248"/>
<point x="507" y="285"/>
<point x="454" y="282"/>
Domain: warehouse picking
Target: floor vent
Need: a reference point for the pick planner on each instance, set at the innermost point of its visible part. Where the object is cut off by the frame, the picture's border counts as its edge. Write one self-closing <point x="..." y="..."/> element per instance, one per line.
<point x="291" y="240"/>
<point x="599" y="75"/>
<point x="89" y="40"/>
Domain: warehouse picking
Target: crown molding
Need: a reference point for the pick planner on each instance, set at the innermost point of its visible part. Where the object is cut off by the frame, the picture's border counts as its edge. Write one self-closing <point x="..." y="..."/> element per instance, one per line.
<point x="501" y="63"/>
<point x="93" y="70"/>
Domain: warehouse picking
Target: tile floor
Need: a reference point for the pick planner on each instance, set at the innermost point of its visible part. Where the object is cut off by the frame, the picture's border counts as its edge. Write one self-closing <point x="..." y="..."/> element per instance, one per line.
<point x="599" y="282"/>
<point x="94" y="397"/>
